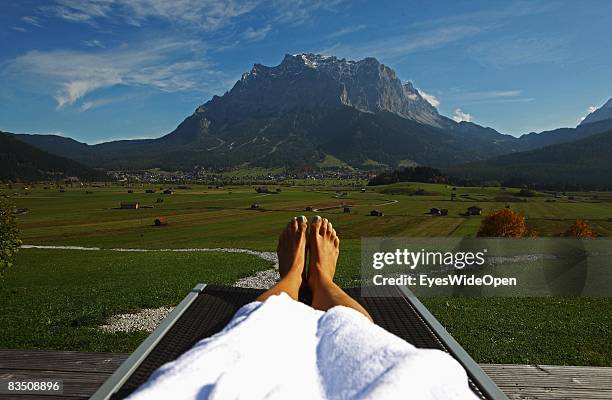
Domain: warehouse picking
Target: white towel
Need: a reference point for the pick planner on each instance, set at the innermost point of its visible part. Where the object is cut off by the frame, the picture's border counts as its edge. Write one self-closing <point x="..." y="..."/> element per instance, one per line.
<point x="283" y="349"/>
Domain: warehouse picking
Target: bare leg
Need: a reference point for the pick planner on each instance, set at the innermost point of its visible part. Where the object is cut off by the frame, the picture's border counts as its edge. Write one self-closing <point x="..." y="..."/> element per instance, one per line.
<point x="291" y="251"/>
<point x="324" y="246"/>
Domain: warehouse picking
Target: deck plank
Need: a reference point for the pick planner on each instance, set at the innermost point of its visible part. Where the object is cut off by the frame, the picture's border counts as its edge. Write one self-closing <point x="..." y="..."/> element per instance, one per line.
<point x="83" y="373"/>
<point x="551" y="381"/>
<point x="61" y="360"/>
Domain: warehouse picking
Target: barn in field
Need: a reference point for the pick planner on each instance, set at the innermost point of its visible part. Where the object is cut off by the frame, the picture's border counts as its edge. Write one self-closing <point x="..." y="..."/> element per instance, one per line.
<point x="377" y="213"/>
<point x="150" y="191"/>
<point x="129" y="205"/>
<point x="473" y="210"/>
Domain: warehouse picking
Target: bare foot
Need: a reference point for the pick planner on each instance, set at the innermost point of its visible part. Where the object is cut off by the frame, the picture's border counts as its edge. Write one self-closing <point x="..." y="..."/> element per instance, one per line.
<point x="291" y="248"/>
<point x="324" y="246"/>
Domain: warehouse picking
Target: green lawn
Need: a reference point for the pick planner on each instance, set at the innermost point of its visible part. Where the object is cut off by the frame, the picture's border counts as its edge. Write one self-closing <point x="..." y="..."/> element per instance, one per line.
<point x="55" y="298"/>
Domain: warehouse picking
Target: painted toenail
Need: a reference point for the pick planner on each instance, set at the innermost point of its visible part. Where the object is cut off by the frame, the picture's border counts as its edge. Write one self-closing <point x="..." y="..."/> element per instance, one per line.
<point x="301" y="218"/>
<point x="316" y="218"/>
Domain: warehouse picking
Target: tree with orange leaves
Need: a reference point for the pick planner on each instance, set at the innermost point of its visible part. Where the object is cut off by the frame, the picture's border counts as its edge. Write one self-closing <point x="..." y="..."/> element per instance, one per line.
<point x="504" y="223"/>
<point x="580" y="228"/>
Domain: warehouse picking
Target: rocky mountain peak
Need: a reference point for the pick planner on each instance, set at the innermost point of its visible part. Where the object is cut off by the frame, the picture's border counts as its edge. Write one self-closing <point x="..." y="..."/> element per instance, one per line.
<point x="602" y="113"/>
<point x="307" y="80"/>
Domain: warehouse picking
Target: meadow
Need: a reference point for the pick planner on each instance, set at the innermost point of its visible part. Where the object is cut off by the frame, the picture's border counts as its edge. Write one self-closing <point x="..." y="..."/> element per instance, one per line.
<point x="56" y="299"/>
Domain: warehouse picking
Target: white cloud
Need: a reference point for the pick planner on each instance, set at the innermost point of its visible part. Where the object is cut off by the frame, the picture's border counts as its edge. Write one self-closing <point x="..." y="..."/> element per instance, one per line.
<point x="18" y="29"/>
<point x="31" y="21"/>
<point x="257" y="34"/>
<point x="461" y="116"/>
<point x="430" y="98"/>
<point x="94" y="43"/>
<point x="590" y="110"/>
<point x="166" y="65"/>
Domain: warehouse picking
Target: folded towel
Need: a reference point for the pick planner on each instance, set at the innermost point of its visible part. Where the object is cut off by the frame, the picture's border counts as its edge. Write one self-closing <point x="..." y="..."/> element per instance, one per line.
<point x="283" y="349"/>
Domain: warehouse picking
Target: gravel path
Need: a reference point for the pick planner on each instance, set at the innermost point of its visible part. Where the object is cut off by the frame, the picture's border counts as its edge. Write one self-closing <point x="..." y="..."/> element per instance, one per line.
<point x="144" y="320"/>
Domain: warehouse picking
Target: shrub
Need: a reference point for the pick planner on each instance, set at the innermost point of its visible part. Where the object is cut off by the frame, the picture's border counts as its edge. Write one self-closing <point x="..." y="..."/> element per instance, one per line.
<point x="505" y="223"/>
<point x="580" y="228"/>
<point x="9" y="235"/>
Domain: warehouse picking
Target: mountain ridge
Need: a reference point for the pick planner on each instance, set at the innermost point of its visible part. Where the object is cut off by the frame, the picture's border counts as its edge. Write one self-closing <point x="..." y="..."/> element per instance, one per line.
<point x="19" y="160"/>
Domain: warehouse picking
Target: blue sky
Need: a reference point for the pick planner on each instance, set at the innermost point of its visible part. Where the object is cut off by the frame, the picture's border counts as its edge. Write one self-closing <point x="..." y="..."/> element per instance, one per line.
<point x="110" y="69"/>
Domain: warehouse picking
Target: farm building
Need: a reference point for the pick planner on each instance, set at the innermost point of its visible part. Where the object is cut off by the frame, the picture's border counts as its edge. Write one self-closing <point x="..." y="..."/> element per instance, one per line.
<point x="168" y="191"/>
<point x="130" y="191"/>
<point x="254" y="206"/>
<point x="347" y="209"/>
<point x="150" y="191"/>
<point x="161" y="221"/>
<point x="438" y="211"/>
<point x="473" y="210"/>
<point x="130" y="205"/>
<point x="377" y="213"/>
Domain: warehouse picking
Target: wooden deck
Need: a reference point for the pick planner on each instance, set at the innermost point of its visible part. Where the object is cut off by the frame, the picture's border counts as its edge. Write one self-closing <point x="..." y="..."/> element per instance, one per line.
<point x="82" y="373"/>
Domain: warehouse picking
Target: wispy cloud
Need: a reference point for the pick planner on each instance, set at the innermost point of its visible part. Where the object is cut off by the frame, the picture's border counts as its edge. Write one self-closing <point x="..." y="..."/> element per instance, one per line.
<point x="204" y="14"/>
<point x="94" y="43"/>
<point x="166" y="65"/>
<point x="18" y="29"/>
<point x="489" y="97"/>
<point x="99" y="102"/>
<point x="257" y="34"/>
<point x="346" y="31"/>
<point x="402" y="45"/>
<point x="517" y="50"/>
<point x="301" y="11"/>
<point x="460" y="116"/>
<point x="30" y="20"/>
<point x="495" y="14"/>
<point x="430" y="98"/>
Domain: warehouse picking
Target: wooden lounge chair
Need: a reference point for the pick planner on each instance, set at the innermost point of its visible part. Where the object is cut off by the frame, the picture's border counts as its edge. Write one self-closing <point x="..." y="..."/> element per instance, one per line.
<point x="208" y="308"/>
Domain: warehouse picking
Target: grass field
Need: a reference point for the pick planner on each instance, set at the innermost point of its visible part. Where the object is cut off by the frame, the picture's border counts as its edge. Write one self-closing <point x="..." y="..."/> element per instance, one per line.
<point x="56" y="298"/>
